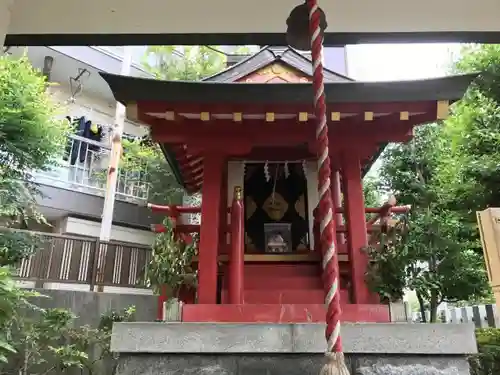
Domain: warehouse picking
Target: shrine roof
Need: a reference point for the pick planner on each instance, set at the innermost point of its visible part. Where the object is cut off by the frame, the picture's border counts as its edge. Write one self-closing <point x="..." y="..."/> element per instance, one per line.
<point x="132" y="89"/>
<point x="267" y="56"/>
<point x="234" y="90"/>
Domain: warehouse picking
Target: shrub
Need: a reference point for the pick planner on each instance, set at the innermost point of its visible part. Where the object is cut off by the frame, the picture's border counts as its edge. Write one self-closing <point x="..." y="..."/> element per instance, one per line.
<point x="487" y="361"/>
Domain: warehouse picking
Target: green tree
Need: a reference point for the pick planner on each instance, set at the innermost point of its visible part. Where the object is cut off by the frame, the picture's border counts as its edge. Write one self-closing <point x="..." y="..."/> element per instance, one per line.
<point x="171" y="262"/>
<point x="470" y="168"/>
<point x="47" y="341"/>
<point x="433" y="257"/>
<point x="145" y="161"/>
<point x="31" y="139"/>
<point x="12" y="300"/>
<point x="473" y="163"/>
<point x="371" y="192"/>
<point x="186" y="63"/>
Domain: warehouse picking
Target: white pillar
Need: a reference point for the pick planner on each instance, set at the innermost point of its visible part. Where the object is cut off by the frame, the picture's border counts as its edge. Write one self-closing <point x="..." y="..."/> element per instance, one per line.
<point x="5" y="12"/>
<point x="114" y="159"/>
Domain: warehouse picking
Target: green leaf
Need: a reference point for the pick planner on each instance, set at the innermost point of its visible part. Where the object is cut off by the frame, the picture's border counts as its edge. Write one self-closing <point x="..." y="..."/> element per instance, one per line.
<point x="6" y="346"/>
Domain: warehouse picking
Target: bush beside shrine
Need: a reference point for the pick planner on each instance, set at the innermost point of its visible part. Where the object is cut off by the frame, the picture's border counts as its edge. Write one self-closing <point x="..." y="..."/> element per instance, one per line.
<point x="487" y="361"/>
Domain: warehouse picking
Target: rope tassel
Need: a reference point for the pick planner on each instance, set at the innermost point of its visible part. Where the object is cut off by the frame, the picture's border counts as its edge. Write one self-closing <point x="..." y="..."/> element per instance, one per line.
<point x="335" y="364"/>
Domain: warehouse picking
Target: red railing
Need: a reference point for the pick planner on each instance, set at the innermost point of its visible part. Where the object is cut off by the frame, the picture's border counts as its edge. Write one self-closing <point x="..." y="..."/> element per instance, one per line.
<point x="236" y="230"/>
<point x="382" y="214"/>
<point x="174" y="212"/>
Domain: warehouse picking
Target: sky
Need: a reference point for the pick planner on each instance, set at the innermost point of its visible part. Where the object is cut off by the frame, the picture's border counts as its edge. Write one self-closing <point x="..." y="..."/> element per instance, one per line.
<point x="385" y="62"/>
<point x="395" y="62"/>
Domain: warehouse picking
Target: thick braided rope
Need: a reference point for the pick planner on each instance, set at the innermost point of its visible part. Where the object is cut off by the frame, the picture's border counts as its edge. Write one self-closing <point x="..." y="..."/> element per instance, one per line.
<point x="325" y="211"/>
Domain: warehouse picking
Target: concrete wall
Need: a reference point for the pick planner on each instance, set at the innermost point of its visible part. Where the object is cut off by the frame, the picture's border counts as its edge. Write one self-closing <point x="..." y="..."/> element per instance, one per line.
<point x="90" y="205"/>
<point x="88" y="228"/>
<point x="344" y="18"/>
<point x="275" y="349"/>
<point x="89" y="306"/>
<point x="275" y="364"/>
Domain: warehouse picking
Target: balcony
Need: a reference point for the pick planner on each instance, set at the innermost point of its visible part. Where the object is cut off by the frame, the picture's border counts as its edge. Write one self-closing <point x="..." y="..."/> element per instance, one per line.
<point x="84" y="167"/>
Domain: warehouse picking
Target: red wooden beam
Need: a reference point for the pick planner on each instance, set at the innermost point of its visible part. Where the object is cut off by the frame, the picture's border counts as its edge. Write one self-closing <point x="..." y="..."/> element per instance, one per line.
<point x="191" y="174"/>
<point x="369" y="228"/>
<point x="195" y="228"/>
<point x="192" y="180"/>
<point x="184" y="158"/>
<point x="272" y="154"/>
<point x="162" y="107"/>
<point x="169" y="211"/>
<point x="344" y="125"/>
<point x="182" y="228"/>
<point x="376" y="210"/>
<point x="173" y="209"/>
<point x="224" y="135"/>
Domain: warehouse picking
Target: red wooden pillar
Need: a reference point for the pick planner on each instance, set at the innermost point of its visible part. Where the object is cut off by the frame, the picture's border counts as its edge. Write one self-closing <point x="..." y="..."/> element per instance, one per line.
<point x="357" y="237"/>
<point x="337" y="202"/>
<point x="213" y="171"/>
<point x="237" y="255"/>
<point x="223" y="212"/>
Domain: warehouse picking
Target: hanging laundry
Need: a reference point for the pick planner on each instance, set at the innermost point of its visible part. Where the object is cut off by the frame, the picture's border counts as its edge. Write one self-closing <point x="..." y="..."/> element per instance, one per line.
<point x="77" y="146"/>
<point x="90" y="131"/>
<point x="73" y="125"/>
<point x="95" y="134"/>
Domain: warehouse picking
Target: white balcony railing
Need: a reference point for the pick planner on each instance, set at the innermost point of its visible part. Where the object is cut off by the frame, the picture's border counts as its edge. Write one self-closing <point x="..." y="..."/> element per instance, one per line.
<point x="84" y="168"/>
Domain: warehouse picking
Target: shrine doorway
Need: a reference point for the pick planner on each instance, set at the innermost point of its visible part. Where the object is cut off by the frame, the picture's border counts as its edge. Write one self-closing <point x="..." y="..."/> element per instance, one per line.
<point x="276" y="208"/>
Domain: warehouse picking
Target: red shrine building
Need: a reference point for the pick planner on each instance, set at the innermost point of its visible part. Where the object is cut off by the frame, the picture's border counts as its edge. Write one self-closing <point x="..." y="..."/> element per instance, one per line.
<point x="245" y="138"/>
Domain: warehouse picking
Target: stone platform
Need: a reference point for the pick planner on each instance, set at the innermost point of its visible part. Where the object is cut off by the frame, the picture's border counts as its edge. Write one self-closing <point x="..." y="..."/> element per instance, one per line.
<point x="291" y="349"/>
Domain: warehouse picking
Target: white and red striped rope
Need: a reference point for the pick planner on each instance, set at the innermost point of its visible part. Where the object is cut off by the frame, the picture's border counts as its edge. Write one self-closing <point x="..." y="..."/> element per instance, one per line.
<point x="325" y="211"/>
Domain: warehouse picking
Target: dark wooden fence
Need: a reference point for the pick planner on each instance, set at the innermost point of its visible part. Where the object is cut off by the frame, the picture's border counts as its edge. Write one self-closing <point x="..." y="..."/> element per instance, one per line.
<point x="81" y="260"/>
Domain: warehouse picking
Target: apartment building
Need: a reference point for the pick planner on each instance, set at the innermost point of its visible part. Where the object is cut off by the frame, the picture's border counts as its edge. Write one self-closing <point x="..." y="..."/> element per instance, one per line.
<point x="72" y="197"/>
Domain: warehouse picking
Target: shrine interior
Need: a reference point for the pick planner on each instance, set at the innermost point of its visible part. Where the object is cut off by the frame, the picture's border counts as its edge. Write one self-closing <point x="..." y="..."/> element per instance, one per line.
<point x="276" y="214"/>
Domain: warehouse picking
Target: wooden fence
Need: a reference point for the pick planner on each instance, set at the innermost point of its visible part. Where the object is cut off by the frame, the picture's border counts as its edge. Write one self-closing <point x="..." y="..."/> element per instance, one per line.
<point x="483" y="316"/>
<point x="80" y="260"/>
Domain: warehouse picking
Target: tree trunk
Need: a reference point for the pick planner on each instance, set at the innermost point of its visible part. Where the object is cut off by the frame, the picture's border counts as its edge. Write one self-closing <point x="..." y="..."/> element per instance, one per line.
<point x="433" y="301"/>
<point x="433" y="305"/>
<point x="421" y="304"/>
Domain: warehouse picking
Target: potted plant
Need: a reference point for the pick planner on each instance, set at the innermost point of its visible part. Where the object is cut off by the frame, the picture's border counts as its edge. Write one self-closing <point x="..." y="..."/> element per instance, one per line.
<point x="170" y="270"/>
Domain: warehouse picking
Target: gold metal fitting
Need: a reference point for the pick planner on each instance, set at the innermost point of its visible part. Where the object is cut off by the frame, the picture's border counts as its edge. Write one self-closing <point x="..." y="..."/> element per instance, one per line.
<point x="238" y="193"/>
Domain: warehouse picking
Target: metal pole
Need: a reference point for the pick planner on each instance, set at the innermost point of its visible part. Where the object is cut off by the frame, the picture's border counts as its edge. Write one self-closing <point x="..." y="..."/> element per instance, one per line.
<point x="114" y="161"/>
